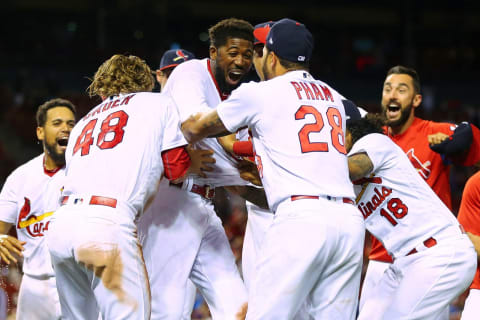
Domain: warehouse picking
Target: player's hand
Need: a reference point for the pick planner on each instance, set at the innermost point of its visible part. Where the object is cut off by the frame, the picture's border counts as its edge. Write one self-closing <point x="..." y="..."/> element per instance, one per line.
<point x="201" y="161"/>
<point x="9" y="245"/>
<point x="249" y="172"/>
<point x="437" y="138"/>
<point x="242" y="314"/>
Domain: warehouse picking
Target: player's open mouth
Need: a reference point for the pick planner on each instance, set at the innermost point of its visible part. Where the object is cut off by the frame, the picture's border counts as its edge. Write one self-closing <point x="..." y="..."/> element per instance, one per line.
<point x="235" y="75"/>
<point x="393" y="110"/>
<point x="62" y="142"/>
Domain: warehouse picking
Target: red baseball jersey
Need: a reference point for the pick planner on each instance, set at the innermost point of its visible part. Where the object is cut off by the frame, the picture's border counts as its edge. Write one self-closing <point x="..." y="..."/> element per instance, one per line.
<point x="429" y="164"/>
<point x="469" y="214"/>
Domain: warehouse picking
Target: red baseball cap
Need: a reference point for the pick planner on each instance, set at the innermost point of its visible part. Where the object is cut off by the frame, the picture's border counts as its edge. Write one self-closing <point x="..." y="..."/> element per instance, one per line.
<point x="261" y="31"/>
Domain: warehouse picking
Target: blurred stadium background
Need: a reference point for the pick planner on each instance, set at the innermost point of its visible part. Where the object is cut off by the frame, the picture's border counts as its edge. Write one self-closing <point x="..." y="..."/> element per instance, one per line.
<point x="49" y="48"/>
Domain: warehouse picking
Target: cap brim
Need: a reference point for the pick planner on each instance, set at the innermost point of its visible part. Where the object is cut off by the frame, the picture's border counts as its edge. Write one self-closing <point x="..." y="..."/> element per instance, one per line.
<point x="169" y="66"/>
<point x="261" y="34"/>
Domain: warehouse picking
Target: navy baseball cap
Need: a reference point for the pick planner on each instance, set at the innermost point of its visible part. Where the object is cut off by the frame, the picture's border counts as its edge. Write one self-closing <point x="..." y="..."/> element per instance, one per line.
<point x="265" y="29"/>
<point x="289" y="39"/>
<point x="351" y="111"/>
<point x="172" y="58"/>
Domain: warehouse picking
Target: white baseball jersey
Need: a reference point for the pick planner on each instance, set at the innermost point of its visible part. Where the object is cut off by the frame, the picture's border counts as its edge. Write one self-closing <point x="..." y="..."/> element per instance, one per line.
<point x="194" y="89"/>
<point x="123" y="142"/>
<point x="28" y="200"/>
<point x="297" y="139"/>
<point x="399" y="208"/>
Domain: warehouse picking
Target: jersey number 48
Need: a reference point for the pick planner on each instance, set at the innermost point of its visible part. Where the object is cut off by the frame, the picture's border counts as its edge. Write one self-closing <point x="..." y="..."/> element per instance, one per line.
<point x="111" y="133"/>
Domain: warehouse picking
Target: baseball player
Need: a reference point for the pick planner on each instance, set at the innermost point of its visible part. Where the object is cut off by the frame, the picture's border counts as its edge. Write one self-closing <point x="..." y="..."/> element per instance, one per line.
<point x="171" y="59"/>
<point x="434" y="261"/>
<point x="183" y="214"/>
<point x="115" y="159"/>
<point x="400" y="97"/>
<point x="199" y="158"/>
<point x="28" y="200"/>
<point x="313" y="249"/>
<point x="469" y="217"/>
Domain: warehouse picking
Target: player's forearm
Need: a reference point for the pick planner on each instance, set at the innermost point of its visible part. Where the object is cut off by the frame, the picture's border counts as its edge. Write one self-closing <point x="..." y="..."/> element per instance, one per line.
<point x="254" y="195"/>
<point x="476" y="242"/>
<point x="200" y="126"/>
<point x="359" y="166"/>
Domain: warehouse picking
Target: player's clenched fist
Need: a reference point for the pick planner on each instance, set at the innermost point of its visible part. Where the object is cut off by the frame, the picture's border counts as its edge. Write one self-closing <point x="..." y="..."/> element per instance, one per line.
<point x="9" y="245"/>
<point x="437" y="138"/>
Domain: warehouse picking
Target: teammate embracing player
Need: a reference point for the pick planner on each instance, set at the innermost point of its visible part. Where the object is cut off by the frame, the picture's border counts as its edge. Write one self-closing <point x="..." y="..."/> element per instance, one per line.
<point x="115" y="158"/>
<point x="182" y="214"/>
<point x="312" y="251"/>
<point x="434" y="261"/>
<point x="401" y="96"/>
<point x="27" y="201"/>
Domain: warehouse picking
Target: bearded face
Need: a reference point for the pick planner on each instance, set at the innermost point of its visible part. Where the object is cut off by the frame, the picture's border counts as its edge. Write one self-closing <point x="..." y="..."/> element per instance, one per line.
<point x="55" y="132"/>
<point x="398" y="99"/>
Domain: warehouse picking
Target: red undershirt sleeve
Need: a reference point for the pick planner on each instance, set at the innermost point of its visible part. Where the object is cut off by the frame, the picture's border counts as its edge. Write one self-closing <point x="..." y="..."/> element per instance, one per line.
<point x="176" y="162"/>
<point x="243" y="148"/>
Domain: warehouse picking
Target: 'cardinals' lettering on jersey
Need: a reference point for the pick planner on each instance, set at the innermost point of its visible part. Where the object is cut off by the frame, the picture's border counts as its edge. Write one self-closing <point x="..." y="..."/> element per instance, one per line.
<point x="28" y="200"/>
<point x="193" y="88"/>
<point x="399" y="208"/>
<point x="116" y="152"/>
<point x="299" y="140"/>
<point x="428" y="163"/>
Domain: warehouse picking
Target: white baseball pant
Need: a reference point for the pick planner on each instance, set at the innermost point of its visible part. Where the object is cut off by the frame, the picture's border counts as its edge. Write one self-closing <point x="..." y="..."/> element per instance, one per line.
<point x="183" y="239"/>
<point x="98" y="262"/>
<point x="421" y="285"/>
<point x="38" y="299"/>
<point x="471" y="310"/>
<point x="311" y="253"/>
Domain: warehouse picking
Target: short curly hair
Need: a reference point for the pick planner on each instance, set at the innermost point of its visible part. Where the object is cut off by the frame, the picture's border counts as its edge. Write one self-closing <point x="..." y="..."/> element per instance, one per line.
<point x="41" y="115"/>
<point x="121" y="74"/>
<point x="230" y="28"/>
<point x="370" y="123"/>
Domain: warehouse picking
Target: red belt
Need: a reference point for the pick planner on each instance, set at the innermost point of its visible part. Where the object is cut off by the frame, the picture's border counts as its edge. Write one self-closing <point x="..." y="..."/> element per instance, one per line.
<point x="95" y="200"/>
<point x="430" y="242"/>
<point x="206" y="191"/>
<point x="345" y="200"/>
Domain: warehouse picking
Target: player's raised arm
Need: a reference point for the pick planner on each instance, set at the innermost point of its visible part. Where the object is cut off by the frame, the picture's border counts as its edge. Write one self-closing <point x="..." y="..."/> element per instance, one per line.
<point x="202" y="125"/>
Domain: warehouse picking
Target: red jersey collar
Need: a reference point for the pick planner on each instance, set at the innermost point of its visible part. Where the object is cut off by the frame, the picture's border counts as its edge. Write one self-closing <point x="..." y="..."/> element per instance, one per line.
<point x="223" y="96"/>
<point x="415" y="122"/>
<point x="50" y="173"/>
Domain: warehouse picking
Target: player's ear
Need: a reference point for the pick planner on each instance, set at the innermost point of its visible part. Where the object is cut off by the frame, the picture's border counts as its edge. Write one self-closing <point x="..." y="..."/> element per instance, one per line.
<point x="417" y="100"/>
<point x="40" y="133"/>
<point x="213" y="52"/>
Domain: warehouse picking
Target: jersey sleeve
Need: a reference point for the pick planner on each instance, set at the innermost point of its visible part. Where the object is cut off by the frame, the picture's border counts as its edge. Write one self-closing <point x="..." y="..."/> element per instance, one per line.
<point x="241" y="108"/>
<point x="473" y="155"/>
<point x="172" y="135"/>
<point x="376" y="146"/>
<point x="186" y="86"/>
<point x="469" y="212"/>
<point x="8" y="200"/>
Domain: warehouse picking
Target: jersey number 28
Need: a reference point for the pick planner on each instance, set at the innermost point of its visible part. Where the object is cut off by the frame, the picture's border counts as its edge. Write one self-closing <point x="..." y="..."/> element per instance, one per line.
<point x="334" y="120"/>
<point x="113" y="125"/>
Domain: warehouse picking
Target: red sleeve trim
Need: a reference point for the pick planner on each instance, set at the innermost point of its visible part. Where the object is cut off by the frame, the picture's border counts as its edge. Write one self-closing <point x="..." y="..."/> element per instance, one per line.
<point x="176" y="162"/>
<point x="243" y="148"/>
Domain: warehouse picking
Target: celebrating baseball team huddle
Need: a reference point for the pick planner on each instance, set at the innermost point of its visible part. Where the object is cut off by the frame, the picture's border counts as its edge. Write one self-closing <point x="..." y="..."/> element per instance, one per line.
<point x="117" y="221"/>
